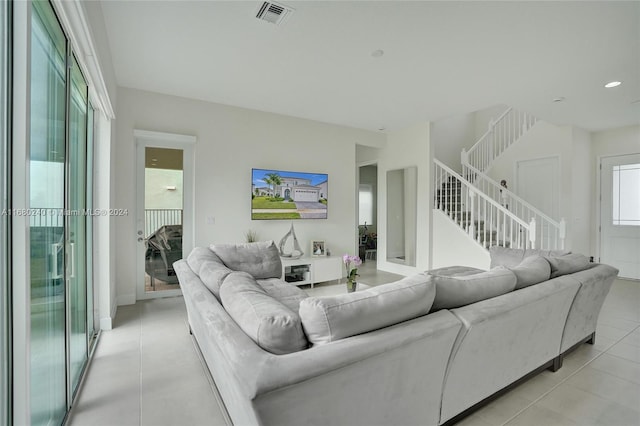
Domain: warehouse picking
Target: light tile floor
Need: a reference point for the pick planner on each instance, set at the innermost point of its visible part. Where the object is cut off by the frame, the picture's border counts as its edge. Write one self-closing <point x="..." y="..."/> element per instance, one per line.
<point x="146" y="371"/>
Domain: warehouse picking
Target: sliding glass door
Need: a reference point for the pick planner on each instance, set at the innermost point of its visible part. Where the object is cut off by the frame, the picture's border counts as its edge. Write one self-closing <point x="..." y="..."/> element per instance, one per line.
<point x="58" y="167"/>
<point x="5" y="335"/>
<point x="47" y="198"/>
<point x="77" y="225"/>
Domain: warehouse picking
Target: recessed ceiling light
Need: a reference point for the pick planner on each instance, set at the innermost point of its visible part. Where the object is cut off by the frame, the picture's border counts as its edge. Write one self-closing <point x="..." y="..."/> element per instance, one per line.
<point x="377" y="53"/>
<point x="611" y="84"/>
<point x="559" y="99"/>
<point x="382" y="128"/>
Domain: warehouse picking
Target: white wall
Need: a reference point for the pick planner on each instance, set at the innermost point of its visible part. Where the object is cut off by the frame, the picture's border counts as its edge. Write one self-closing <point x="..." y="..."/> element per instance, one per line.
<point x="620" y="141"/>
<point x="452" y="245"/>
<point x="450" y="135"/>
<point x="156" y="194"/>
<point x="230" y="142"/>
<point x="406" y="148"/>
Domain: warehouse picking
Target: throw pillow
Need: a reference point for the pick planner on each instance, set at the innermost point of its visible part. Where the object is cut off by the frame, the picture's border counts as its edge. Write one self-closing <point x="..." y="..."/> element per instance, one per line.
<point x="532" y="270"/>
<point x="456" y="291"/>
<point x="204" y="263"/>
<point x="327" y="319"/>
<point x="567" y="264"/>
<point x="261" y="260"/>
<point x="269" y="323"/>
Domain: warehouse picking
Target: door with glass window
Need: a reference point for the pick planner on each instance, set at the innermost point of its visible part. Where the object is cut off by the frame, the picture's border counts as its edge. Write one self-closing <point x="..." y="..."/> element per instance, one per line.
<point x="620" y="214"/>
<point x="163" y="211"/>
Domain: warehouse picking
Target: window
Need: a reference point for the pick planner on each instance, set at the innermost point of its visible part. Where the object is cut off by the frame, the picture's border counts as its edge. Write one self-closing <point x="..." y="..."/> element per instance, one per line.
<point x="626" y="194"/>
<point x="365" y="197"/>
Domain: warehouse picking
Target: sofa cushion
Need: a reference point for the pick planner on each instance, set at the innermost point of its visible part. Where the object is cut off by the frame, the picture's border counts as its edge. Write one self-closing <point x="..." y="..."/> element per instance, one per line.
<point x="208" y="266"/>
<point x="330" y="318"/>
<point x="567" y="264"/>
<point x="504" y="256"/>
<point x="456" y="291"/>
<point x="261" y="259"/>
<point x="273" y="326"/>
<point x="455" y="271"/>
<point x="532" y="270"/>
<point x="288" y="294"/>
<point x="199" y="256"/>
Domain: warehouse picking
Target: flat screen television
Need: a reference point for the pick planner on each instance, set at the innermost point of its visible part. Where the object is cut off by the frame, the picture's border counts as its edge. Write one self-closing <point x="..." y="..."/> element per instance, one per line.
<point x="279" y="194"/>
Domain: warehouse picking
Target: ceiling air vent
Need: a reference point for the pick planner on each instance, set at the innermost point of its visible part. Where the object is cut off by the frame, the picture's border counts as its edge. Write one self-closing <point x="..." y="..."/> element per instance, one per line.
<point x="273" y="12"/>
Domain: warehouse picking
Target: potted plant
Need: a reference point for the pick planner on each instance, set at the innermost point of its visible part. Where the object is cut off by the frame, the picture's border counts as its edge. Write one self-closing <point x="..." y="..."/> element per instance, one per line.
<point x="351" y="263"/>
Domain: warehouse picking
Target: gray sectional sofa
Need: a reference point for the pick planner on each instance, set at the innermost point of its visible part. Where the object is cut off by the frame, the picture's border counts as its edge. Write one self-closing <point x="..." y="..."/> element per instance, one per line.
<point x="425" y="350"/>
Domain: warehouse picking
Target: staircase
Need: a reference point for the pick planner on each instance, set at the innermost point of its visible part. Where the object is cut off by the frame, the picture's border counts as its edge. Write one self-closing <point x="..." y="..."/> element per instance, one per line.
<point x="489" y="213"/>
<point x="483" y="219"/>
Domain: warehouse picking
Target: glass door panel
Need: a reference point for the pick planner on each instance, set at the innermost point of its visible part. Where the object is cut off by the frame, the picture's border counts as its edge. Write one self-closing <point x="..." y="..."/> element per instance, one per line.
<point x="163" y="206"/>
<point x="47" y="175"/>
<point x="5" y="340"/>
<point x="77" y="225"/>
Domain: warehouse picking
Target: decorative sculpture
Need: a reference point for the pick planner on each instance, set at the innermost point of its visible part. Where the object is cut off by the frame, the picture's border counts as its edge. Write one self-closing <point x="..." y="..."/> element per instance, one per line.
<point x="297" y="252"/>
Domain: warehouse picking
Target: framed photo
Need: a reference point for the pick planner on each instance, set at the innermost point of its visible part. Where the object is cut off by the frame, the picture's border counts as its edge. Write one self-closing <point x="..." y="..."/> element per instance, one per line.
<point x="318" y="248"/>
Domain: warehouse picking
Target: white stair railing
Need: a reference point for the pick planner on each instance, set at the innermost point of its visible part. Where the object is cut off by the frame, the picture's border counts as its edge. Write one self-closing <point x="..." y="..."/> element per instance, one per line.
<point x="501" y="134"/>
<point x="549" y="233"/>
<point x="484" y="219"/>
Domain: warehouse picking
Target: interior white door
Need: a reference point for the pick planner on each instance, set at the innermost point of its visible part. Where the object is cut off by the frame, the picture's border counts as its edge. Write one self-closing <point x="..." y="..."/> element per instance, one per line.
<point x="620" y="214"/>
<point x="538" y="183"/>
<point x="164" y="210"/>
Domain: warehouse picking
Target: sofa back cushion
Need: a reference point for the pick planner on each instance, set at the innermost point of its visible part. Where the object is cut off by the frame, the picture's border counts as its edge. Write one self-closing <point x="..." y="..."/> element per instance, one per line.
<point x="261" y="259"/>
<point x="330" y="318"/>
<point x="269" y="323"/>
<point x="509" y="257"/>
<point x="208" y="266"/>
<point x="461" y="290"/>
<point x="567" y="264"/>
<point x="532" y="270"/>
<point x="289" y="295"/>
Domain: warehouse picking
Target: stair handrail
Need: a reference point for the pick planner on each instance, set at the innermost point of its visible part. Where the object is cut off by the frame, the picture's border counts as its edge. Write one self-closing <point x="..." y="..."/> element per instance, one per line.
<point x="511" y="196"/>
<point x="502" y="132"/>
<point x="483" y="209"/>
<point x="475" y="190"/>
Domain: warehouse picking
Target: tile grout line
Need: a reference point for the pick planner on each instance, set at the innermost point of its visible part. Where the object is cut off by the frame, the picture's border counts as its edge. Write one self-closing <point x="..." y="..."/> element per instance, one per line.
<point x="568" y="377"/>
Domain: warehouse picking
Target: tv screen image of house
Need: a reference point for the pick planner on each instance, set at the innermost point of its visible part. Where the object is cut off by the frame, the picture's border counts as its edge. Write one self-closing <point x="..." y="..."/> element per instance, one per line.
<point x="279" y="194"/>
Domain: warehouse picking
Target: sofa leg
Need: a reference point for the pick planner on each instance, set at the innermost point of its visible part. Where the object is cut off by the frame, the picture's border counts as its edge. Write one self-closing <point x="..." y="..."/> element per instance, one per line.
<point x="557" y="363"/>
<point x="592" y="339"/>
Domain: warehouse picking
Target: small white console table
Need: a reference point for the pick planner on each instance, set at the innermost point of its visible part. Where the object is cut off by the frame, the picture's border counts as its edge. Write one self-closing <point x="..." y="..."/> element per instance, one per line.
<point x="311" y="270"/>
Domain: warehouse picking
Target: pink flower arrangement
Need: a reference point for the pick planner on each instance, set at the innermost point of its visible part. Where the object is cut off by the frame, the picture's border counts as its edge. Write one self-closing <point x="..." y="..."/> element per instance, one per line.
<point x="352" y="272"/>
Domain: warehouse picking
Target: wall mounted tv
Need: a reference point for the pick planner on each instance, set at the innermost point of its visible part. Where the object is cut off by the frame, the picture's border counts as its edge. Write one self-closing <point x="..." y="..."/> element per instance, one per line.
<point x="278" y="194"/>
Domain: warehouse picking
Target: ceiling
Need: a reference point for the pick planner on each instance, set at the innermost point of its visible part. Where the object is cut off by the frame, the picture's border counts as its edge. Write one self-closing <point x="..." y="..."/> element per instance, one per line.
<point x="440" y="58"/>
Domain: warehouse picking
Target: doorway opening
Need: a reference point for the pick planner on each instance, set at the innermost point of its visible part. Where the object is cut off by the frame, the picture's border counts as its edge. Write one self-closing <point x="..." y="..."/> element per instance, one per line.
<point x="368" y="212"/>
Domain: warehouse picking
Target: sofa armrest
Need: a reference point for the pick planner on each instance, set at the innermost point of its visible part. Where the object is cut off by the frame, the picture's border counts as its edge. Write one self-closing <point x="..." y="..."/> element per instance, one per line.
<point x="595" y="284"/>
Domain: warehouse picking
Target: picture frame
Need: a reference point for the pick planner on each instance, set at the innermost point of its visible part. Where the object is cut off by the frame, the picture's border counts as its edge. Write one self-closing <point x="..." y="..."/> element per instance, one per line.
<point x="318" y="248"/>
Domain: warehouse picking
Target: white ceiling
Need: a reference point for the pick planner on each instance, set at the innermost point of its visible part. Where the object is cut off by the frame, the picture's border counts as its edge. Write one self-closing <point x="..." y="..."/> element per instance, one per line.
<point x="440" y="58"/>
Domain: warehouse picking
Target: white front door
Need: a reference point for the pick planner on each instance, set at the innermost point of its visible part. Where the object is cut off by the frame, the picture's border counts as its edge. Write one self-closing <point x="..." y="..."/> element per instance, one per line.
<point x="538" y="183"/>
<point x="164" y="214"/>
<point x="620" y="214"/>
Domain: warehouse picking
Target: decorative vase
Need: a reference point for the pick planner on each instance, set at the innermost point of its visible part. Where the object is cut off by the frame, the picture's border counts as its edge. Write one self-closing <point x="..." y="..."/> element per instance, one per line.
<point x="351" y="286"/>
